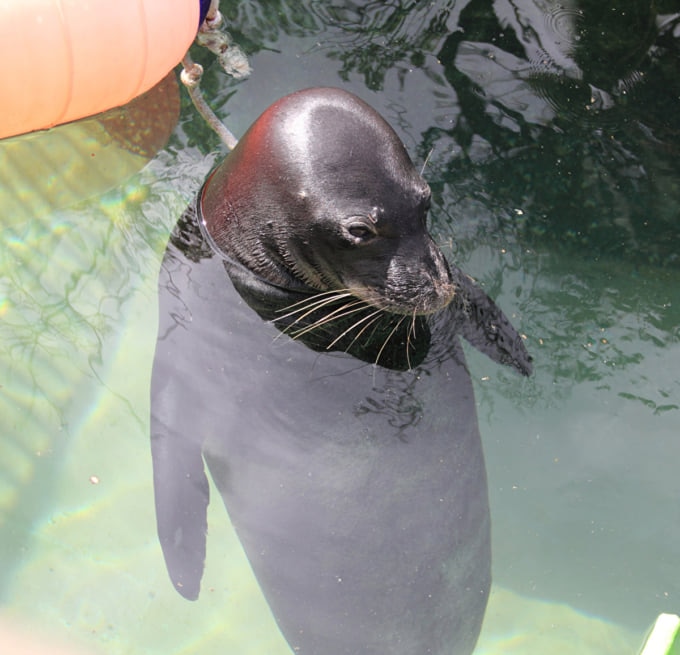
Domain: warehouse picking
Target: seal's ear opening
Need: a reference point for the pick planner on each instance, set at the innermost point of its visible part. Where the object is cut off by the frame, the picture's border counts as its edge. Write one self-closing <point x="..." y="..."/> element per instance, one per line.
<point x="479" y="320"/>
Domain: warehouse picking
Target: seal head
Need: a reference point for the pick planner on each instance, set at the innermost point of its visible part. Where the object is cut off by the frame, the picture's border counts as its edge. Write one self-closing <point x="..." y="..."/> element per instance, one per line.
<point x="320" y="195"/>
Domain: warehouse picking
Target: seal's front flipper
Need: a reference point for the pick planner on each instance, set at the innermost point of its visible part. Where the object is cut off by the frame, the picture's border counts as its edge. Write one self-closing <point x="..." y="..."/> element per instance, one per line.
<point x="182" y="495"/>
<point x="479" y="320"/>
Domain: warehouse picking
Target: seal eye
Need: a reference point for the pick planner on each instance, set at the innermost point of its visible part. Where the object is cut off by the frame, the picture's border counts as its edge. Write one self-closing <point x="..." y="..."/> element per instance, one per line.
<point x="361" y="232"/>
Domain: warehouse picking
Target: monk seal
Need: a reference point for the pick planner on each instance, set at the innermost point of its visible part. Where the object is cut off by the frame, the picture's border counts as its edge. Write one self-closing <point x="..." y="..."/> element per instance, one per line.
<point x="309" y="352"/>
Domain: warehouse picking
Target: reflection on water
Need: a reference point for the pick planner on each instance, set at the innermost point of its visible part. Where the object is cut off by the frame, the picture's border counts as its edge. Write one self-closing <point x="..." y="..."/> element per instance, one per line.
<point x="551" y="136"/>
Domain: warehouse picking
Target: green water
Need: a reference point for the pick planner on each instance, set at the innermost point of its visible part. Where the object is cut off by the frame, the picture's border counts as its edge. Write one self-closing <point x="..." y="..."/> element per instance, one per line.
<point x="551" y="134"/>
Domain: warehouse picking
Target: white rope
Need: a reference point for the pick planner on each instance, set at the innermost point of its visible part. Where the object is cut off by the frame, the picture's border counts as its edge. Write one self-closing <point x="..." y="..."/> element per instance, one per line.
<point x="232" y="59"/>
<point x="191" y="77"/>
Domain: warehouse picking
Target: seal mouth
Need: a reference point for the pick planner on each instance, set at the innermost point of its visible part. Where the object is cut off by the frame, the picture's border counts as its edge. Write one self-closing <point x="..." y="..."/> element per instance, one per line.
<point x="421" y="304"/>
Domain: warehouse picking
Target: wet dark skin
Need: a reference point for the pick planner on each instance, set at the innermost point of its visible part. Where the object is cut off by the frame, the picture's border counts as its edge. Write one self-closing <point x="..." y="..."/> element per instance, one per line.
<point x="309" y="352"/>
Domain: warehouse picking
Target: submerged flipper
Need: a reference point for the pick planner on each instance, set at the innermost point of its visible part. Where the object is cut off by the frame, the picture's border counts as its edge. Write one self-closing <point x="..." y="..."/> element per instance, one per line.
<point x="482" y="324"/>
<point x="182" y="495"/>
<point x="180" y="484"/>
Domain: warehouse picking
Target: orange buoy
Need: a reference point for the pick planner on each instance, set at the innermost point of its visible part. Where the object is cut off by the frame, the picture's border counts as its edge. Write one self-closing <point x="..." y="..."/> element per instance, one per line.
<point x="67" y="59"/>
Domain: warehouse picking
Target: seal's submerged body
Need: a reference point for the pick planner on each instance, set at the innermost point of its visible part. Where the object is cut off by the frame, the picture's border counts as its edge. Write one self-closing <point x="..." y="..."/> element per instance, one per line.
<point x="341" y="431"/>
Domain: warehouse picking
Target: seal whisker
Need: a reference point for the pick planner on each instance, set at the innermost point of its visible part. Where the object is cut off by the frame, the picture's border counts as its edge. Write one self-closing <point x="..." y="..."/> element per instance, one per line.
<point x="314" y="297"/>
<point x="427" y="159"/>
<point x="373" y="317"/>
<point x="411" y="332"/>
<point x="314" y="302"/>
<point x="340" y="312"/>
<point x="375" y="325"/>
<point x="389" y="336"/>
<point x="310" y="308"/>
<point x="373" y="322"/>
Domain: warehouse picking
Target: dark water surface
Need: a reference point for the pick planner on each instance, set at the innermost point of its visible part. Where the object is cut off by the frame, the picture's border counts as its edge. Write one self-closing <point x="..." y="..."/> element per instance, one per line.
<point x="550" y="134"/>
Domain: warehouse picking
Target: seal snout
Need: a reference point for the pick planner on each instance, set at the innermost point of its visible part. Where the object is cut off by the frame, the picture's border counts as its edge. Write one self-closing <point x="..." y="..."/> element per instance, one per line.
<point x="416" y="283"/>
<point x="442" y="288"/>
